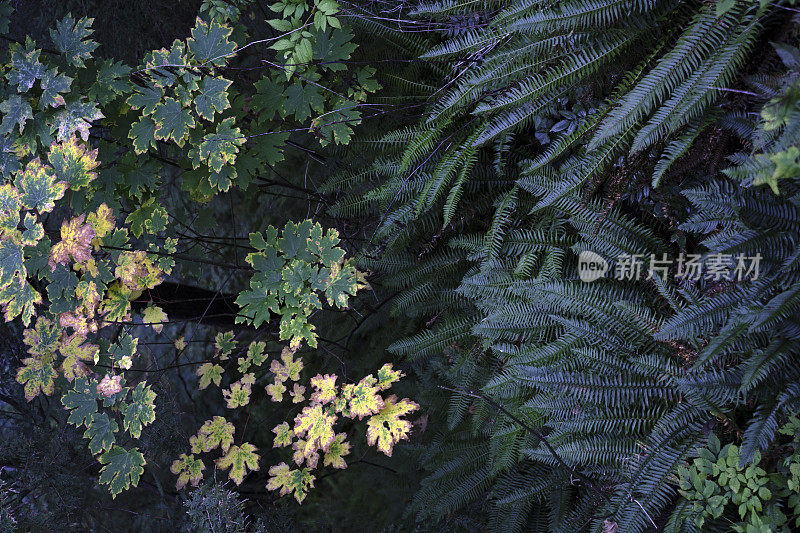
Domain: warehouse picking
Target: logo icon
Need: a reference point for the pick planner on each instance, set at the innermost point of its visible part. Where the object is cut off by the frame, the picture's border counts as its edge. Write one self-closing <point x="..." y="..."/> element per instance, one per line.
<point x="591" y="266"/>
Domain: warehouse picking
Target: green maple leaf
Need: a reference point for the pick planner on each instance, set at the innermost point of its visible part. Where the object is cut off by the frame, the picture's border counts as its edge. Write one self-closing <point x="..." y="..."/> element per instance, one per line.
<point x="54" y="85"/>
<point x="10" y="206"/>
<point x="81" y="401"/>
<point x="216" y="432"/>
<point x="37" y="374"/>
<point x="224" y="343"/>
<point x="112" y="81"/>
<point x="332" y="48"/>
<point x="44" y="338"/>
<point x="325" y="246"/>
<point x="70" y="37"/>
<point x="73" y="163"/>
<point x="336" y="452"/>
<point x="76" y="116"/>
<point x="146" y="99"/>
<point x="6" y="10"/>
<point x="342" y="284"/>
<point x="121" y="468"/>
<point x="336" y="125"/>
<point x="172" y="121"/>
<point x="302" y="100"/>
<point x="283" y="435"/>
<point x="141" y="411"/>
<point x="19" y="298"/>
<point x="9" y="158"/>
<point x="223" y="179"/>
<point x="287" y="480"/>
<point x="209" y="42"/>
<point x="38" y="187"/>
<point x="101" y="433"/>
<point x="188" y="469"/>
<point x="239" y="459"/>
<point x="268" y="97"/>
<point x="255" y="356"/>
<point x="386" y="428"/>
<point x="116" y="306"/>
<point x="12" y="261"/>
<point x="25" y="66"/>
<point x="295" y="329"/>
<point x="209" y="372"/>
<point x="150" y="216"/>
<point x="220" y="148"/>
<point x="33" y="231"/>
<point x="787" y="166"/>
<point x="16" y="112"/>
<point x="213" y="96"/>
<point x="315" y="424"/>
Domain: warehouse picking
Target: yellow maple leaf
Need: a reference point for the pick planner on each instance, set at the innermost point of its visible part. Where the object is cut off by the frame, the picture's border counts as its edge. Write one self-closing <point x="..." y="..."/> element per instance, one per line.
<point x="239" y="459"/>
<point x="76" y="241"/>
<point x="386" y="428"/>
<point x="315" y="423"/>
<point x="155" y="316"/>
<point x="336" y="452"/>
<point x="287" y="480"/>
<point x="325" y="388"/>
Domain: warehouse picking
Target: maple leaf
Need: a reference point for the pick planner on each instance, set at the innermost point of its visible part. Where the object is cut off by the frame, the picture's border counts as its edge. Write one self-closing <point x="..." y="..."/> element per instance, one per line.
<point x="283" y="435"/>
<point x="220" y="148"/>
<point x="387" y="376"/>
<point x="109" y="386"/>
<point x="325" y="388"/>
<point x="141" y="411"/>
<point x="112" y="81"/>
<point x="121" y="468"/>
<point x="75" y="350"/>
<point x="18" y="298"/>
<point x="123" y="351"/>
<point x="289" y="369"/>
<point x="70" y="38"/>
<point x="316" y="424"/>
<point x="180" y="344"/>
<point x="16" y="112"/>
<point x="43" y="338"/>
<point x="237" y="396"/>
<point x="137" y="270"/>
<point x="76" y="241"/>
<point x="150" y="216"/>
<point x="287" y="480"/>
<point x="188" y="469"/>
<point x="212" y="97"/>
<point x="38" y="187"/>
<point x="336" y="452"/>
<point x="25" y="66"/>
<point x="342" y="283"/>
<point x="239" y="459"/>
<point x="301" y="100"/>
<point x="299" y="458"/>
<point x="386" y="428"/>
<point x="297" y="393"/>
<point x="146" y="99"/>
<point x="325" y="246"/>
<point x="81" y="401"/>
<point x="255" y="356"/>
<point x="216" y="432"/>
<point x="209" y="372"/>
<point x="116" y="306"/>
<point x="224" y="344"/>
<point x="37" y="374"/>
<point x="34" y="230"/>
<point x="172" y="121"/>
<point x="76" y="116"/>
<point x="102" y="220"/>
<point x="209" y="42"/>
<point x="101" y="433"/>
<point x="276" y="390"/>
<point x="54" y="86"/>
<point x="363" y="397"/>
<point x="155" y="316"/>
<point x="142" y="134"/>
<point x="73" y="163"/>
<point x="10" y="205"/>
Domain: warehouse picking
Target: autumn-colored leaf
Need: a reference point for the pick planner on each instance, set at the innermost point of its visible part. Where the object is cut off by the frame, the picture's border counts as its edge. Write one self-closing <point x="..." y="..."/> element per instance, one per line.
<point x="75" y="350"/>
<point x="387" y="376"/>
<point x="315" y="423"/>
<point x="325" y="388"/>
<point x="73" y="163"/>
<point x="288" y="369"/>
<point x="38" y="187"/>
<point x="311" y="460"/>
<point x="237" y="396"/>
<point x="386" y="428"/>
<point x="137" y="270"/>
<point x="239" y="459"/>
<point x="216" y="432"/>
<point x="37" y="374"/>
<point x="209" y="372"/>
<point x="155" y="316"/>
<point x="297" y="393"/>
<point x="76" y="241"/>
<point x="287" y="480"/>
<point x="283" y="435"/>
<point x="276" y="390"/>
<point x="336" y="452"/>
<point x="188" y="469"/>
<point x="42" y="339"/>
<point x="102" y="220"/>
<point x="117" y="306"/>
<point x="364" y="398"/>
<point x="140" y="411"/>
<point x="19" y="298"/>
<point x="109" y="386"/>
